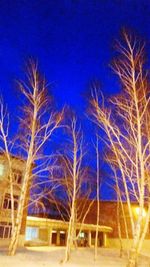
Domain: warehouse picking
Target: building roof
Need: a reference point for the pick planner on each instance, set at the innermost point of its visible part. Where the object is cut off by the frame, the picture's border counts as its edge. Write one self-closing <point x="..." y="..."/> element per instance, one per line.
<point x="57" y="224"/>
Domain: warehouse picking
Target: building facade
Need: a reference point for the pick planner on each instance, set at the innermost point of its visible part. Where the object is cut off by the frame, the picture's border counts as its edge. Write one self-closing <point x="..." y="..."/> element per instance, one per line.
<point x="111" y="215"/>
<point x="43" y="231"/>
<point x="5" y="198"/>
<point x="54" y="232"/>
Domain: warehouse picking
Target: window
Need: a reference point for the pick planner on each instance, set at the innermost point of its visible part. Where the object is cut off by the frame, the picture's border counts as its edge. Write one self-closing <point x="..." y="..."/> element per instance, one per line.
<point x="7" y="202"/>
<point x="81" y="235"/>
<point x="17" y="176"/>
<point x="5" y="230"/>
<point x="31" y="233"/>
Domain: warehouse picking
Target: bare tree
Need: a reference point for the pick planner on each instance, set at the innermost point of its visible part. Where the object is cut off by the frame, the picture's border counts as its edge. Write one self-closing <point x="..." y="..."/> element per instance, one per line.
<point x="37" y="126"/>
<point x="127" y="126"/>
<point x="97" y="196"/>
<point x="5" y="150"/>
<point x="121" y="211"/>
<point x="74" y="182"/>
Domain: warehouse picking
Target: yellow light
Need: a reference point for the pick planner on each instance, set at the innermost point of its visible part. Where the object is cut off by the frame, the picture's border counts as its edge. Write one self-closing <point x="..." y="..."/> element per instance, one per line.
<point x="1" y="169"/>
<point x="137" y="210"/>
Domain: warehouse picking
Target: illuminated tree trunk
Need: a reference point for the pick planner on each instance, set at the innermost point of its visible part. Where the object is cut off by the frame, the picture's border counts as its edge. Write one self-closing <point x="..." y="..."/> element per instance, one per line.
<point x="37" y="126"/>
<point x="97" y="198"/>
<point x="126" y="124"/>
<point x="119" y="228"/>
<point x="71" y="238"/>
<point x="15" y="236"/>
<point x="4" y="132"/>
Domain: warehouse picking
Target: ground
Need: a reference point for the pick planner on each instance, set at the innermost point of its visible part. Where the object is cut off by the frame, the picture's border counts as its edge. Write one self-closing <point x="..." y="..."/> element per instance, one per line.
<point x="52" y="256"/>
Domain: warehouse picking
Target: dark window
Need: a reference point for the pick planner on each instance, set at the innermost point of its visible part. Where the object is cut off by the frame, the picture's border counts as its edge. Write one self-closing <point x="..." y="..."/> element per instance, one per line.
<point x="7" y="202"/>
<point x="17" y="176"/>
<point x="1" y="231"/>
<point x="5" y="230"/>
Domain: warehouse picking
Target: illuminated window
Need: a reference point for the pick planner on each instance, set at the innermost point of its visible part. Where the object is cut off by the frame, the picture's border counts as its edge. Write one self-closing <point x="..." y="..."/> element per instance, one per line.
<point x="31" y="233"/>
<point x="81" y="235"/>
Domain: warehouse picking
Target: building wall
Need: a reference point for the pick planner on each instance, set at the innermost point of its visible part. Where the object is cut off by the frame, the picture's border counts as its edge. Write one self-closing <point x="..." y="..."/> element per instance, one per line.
<point x="54" y="232"/>
<point x="5" y="202"/>
<point x="110" y="217"/>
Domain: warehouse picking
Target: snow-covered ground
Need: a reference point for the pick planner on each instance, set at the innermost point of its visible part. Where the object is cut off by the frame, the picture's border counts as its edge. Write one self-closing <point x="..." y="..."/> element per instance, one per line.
<point x="52" y="256"/>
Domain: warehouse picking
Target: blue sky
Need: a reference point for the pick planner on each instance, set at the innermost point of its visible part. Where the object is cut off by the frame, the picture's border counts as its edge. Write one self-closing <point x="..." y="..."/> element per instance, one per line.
<point x="73" y="42"/>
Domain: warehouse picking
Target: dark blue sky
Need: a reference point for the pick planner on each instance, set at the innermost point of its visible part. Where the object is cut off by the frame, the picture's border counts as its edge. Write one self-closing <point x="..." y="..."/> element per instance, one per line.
<point x="72" y="40"/>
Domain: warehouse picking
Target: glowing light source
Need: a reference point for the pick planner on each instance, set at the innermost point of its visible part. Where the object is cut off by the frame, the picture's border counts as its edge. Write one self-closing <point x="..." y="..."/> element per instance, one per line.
<point x="1" y="169"/>
<point x="137" y="210"/>
<point x="81" y="235"/>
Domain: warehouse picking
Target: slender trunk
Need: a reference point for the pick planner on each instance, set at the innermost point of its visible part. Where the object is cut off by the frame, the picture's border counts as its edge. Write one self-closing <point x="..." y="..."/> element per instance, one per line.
<point x="144" y="230"/>
<point x="69" y="241"/>
<point x="97" y="198"/>
<point x="71" y="230"/>
<point x="119" y="200"/>
<point x="11" y="178"/>
<point x="133" y="257"/>
<point x="119" y="228"/>
<point x="15" y="237"/>
<point x="70" y="237"/>
<point x="125" y="225"/>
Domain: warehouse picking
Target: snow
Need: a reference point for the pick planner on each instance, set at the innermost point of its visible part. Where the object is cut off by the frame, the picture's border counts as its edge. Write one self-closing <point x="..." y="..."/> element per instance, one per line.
<point x="52" y="256"/>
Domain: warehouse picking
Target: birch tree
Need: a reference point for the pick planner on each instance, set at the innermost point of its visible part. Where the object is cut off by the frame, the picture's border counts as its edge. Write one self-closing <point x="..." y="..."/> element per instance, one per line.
<point x="5" y="150"/>
<point x="97" y="195"/>
<point x="37" y="127"/>
<point x="126" y="122"/>
<point x="74" y="182"/>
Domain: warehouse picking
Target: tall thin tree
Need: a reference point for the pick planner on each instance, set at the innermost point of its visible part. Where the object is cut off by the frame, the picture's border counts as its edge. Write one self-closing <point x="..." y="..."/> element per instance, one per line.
<point x="97" y="195"/>
<point x="74" y="182"/>
<point x="37" y="127"/>
<point x="126" y="124"/>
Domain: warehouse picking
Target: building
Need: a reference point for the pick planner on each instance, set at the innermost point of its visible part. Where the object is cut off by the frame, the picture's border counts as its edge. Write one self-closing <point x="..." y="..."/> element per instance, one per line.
<point x="111" y="215"/>
<point x="36" y="230"/>
<point x="5" y="197"/>
<point x="43" y="231"/>
<point x="48" y="231"/>
<point x="54" y="232"/>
